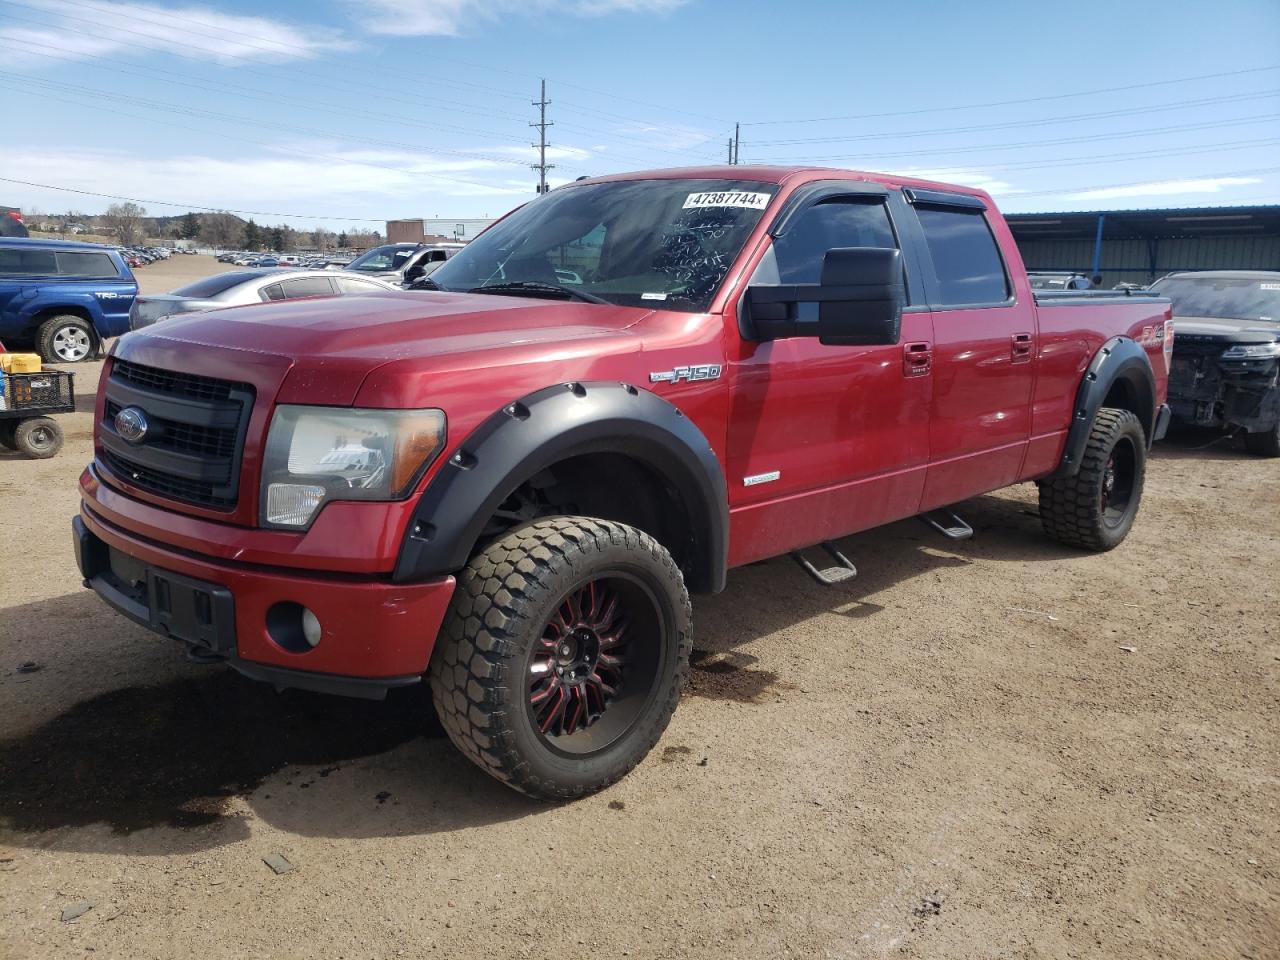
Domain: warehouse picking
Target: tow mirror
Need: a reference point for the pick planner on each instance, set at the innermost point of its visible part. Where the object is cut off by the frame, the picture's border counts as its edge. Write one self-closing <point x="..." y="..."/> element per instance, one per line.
<point x="860" y="299"/>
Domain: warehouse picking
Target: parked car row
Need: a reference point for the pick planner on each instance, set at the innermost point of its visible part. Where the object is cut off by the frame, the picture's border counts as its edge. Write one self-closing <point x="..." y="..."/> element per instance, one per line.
<point x="241" y="258"/>
<point x="141" y="256"/>
<point x="64" y="298"/>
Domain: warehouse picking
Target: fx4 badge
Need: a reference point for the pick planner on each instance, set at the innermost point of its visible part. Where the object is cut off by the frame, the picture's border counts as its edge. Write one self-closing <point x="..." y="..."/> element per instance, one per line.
<point x="701" y="371"/>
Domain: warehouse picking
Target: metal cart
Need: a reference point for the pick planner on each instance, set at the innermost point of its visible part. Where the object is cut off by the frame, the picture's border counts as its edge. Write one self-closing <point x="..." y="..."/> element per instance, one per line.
<point x="26" y="401"/>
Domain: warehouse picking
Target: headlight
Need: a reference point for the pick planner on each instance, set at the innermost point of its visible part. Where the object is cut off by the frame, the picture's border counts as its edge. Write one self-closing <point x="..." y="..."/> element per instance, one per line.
<point x="318" y="454"/>
<point x="1252" y="351"/>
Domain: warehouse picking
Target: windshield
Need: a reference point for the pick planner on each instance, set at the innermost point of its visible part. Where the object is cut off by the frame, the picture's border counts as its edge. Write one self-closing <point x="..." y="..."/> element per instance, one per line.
<point x="1229" y="298"/>
<point x="382" y="259"/>
<point x="653" y="243"/>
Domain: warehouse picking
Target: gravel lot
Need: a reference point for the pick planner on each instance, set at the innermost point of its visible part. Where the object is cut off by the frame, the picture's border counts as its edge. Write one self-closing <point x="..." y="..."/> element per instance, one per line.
<point x="996" y="748"/>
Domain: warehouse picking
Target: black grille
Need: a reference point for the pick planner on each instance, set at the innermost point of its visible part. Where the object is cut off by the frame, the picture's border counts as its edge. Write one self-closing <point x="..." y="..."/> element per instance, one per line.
<point x="194" y="437"/>
<point x="186" y="437"/>
<point x="188" y="385"/>
<point x="178" y="488"/>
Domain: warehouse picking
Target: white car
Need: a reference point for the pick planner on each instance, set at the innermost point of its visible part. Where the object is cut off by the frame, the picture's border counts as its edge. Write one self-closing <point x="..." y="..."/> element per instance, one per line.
<point x="236" y="287"/>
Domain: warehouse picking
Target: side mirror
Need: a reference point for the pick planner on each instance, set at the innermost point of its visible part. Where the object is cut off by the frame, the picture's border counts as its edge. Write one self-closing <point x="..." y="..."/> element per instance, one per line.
<point x="860" y="300"/>
<point x="416" y="272"/>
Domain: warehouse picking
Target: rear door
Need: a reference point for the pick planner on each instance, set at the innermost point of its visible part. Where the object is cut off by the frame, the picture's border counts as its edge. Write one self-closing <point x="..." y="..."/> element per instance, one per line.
<point x="983" y="352"/>
<point x="826" y="440"/>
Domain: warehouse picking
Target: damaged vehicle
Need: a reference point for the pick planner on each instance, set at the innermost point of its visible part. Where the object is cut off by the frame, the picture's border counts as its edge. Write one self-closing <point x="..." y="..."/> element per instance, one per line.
<point x="1227" y="353"/>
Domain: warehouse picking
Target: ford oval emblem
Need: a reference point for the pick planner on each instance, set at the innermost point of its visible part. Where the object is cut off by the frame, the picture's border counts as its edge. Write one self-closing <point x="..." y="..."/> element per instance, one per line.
<point x="131" y="424"/>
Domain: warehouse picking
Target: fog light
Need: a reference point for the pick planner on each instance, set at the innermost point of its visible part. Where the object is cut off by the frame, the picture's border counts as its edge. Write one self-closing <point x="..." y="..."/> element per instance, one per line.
<point x="311" y="631"/>
<point x="292" y="504"/>
<point x="293" y="627"/>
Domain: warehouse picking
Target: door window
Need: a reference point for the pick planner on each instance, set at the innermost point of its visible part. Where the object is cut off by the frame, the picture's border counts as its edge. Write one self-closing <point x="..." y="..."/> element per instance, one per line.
<point x="27" y="263"/>
<point x="839" y="222"/>
<point x="966" y="259"/>
<point x="306" y="287"/>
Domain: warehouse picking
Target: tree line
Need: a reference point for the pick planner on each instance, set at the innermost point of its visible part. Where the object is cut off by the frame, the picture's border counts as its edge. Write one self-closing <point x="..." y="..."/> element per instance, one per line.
<point x="129" y="224"/>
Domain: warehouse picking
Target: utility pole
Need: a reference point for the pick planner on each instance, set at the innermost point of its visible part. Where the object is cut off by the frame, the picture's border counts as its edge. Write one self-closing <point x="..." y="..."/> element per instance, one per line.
<point x="737" y="144"/>
<point x="542" y="166"/>
<point x="731" y="151"/>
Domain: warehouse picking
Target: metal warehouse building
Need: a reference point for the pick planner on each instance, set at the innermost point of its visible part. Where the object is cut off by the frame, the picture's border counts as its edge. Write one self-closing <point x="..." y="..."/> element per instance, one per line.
<point x="1138" y="246"/>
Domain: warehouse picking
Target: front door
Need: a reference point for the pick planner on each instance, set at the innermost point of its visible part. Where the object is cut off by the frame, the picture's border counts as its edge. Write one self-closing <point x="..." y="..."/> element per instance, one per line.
<point x="825" y="440"/>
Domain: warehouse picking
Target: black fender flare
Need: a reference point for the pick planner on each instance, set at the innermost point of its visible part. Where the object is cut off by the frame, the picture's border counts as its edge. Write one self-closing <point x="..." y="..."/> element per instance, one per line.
<point x="550" y="425"/>
<point x="1119" y="360"/>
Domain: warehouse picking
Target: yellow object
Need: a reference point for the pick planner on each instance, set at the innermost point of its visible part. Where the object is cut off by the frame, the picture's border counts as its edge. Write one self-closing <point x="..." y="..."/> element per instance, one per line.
<point x="19" y="362"/>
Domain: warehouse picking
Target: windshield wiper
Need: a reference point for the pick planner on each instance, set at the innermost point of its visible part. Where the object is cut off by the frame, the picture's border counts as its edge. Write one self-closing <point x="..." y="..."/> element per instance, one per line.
<point x="536" y="287"/>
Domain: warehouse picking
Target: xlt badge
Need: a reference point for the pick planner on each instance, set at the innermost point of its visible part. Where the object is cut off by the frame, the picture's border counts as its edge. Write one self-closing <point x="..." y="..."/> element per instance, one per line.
<point x="701" y="371"/>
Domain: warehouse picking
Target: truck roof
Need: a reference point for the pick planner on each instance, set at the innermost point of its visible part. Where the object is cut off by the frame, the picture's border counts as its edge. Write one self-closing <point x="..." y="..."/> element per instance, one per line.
<point x="49" y="244"/>
<point x="782" y="175"/>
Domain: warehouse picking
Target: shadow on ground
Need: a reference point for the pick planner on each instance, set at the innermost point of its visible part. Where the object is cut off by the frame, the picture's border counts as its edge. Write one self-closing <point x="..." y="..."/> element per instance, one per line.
<point x="171" y="765"/>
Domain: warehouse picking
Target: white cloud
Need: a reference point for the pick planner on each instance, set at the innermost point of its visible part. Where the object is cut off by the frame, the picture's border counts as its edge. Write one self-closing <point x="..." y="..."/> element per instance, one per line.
<point x="354" y="183"/>
<point x="88" y="28"/>
<point x="962" y="176"/>
<point x="1161" y="188"/>
<point x="451" y="18"/>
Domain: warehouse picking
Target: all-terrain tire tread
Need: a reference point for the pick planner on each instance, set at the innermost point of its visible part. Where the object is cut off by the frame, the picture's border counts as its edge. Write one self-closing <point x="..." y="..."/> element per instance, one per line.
<point x="1069" y="508"/>
<point x="476" y="673"/>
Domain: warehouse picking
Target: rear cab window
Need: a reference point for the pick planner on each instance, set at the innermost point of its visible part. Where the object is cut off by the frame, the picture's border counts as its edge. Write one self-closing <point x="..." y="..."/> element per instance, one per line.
<point x="86" y="266"/>
<point x="968" y="268"/>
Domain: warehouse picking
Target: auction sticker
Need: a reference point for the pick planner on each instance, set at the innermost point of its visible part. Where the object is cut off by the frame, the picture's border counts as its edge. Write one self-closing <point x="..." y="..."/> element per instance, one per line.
<point x="728" y="198"/>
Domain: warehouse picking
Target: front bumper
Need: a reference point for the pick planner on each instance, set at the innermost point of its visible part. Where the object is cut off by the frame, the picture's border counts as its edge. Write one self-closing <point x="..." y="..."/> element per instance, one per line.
<point x="375" y="634"/>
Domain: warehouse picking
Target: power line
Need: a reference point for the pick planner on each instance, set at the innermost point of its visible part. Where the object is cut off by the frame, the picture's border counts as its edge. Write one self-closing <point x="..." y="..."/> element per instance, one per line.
<point x="1143" y="183"/>
<point x="1017" y="145"/>
<point x="1009" y="103"/>
<point x="192" y="206"/>
<point x="1015" y="124"/>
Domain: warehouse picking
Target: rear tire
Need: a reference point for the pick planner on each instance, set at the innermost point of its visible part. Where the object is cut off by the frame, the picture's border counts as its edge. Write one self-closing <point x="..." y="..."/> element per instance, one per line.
<point x="39" y="438"/>
<point x="1264" y="444"/>
<point x="555" y="598"/>
<point x="1095" y="509"/>
<point x="67" y="339"/>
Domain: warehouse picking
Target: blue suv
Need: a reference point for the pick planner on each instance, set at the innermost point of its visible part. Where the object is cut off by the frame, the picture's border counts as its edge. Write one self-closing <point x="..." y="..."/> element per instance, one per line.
<point x="64" y="298"/>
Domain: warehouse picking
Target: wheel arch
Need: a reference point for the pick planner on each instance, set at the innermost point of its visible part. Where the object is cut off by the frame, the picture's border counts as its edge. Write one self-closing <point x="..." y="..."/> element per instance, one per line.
<point x="1119" y="375"/>
<point x="40" y="314"/>
<point x="571" y="427"/>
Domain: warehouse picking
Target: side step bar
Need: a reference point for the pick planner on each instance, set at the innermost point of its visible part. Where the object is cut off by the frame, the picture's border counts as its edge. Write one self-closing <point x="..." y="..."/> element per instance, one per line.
<point x="844" y="569"/>
<point x="947" y="524"/>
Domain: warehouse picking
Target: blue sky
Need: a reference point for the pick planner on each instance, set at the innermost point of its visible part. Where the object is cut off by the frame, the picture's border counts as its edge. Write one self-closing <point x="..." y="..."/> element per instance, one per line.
<point x="350" y="112"/>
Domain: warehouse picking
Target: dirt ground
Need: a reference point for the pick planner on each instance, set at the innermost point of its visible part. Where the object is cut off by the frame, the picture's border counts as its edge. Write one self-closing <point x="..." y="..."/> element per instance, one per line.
<point x="992" y="748"/>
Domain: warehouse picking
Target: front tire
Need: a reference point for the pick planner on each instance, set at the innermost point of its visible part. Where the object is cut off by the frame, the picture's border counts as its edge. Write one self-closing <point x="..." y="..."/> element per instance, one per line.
<point x="66" y="339"/>
<point x="563" y="655"/>
<point x="1095" y="509"/>
<point x="1264" y="444"/>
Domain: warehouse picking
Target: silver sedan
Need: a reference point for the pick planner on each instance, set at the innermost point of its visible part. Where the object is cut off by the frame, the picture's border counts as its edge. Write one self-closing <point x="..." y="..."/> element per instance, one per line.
<point x="236" y="287"/>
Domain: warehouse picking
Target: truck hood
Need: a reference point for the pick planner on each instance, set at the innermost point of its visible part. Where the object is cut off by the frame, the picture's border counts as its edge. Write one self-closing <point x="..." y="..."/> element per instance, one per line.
<point x="1219" y="330"/>
<point x="396" y="326"/>
<point x="326" y="346"/>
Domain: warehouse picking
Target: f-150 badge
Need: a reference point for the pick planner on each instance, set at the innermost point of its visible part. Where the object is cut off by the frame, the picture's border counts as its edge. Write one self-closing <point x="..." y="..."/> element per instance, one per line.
<point x="701" y="371"/>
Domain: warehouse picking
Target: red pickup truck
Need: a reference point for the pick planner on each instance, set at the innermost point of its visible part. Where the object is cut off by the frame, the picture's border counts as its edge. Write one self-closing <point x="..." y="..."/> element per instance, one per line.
<point x="509" y="484"/>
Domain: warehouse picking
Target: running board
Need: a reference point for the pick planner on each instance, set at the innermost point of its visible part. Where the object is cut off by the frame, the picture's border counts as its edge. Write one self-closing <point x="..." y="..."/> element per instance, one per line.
<point x="844" y="570"/>
<point x="947" y="524"/>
